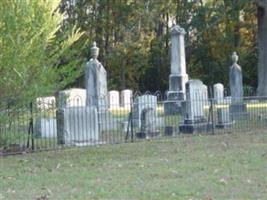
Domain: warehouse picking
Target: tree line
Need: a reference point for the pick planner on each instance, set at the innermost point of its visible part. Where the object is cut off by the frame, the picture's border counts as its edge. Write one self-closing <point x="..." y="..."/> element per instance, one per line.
<point x="45" y="44"/>
<point x="134" y="39"/>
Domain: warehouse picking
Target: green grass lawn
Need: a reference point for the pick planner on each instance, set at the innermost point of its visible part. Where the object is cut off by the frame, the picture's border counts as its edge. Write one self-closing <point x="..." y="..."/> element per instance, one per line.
<point x="231" y="166"/>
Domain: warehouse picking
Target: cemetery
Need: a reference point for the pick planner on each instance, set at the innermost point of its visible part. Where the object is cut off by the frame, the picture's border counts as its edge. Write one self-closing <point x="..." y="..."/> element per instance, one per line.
<point x="101" y="114"/>
<point x="95" y="116"/>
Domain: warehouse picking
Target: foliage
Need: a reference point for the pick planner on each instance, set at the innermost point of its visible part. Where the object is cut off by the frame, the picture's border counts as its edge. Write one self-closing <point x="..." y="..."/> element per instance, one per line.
<point x="134" y="38"/>
<point x="35" y="54"/>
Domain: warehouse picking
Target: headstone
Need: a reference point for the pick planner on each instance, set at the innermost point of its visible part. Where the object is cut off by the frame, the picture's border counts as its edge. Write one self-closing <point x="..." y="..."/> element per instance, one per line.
<point x="148" y="123"/>
<point x="236" y="81"/>
<point x="45" y="103"/>
<point x="114" y="99"/>
<point x="80" y="123"/>
<point x="46" y="127"/>
<point x="96" y="82"/>
<point x="218" y="90"/>
<point x="140" y="105"/>
<point x="126" y="98"/>
<point x="96" y="91"/>
<point x="193" y="108"/>
<point x="237" y="108"/>
<point x="178" y="76"/>
<point x="224" y="119"/>
<point x="75" y="97"/>
<point x="77" y="126"/>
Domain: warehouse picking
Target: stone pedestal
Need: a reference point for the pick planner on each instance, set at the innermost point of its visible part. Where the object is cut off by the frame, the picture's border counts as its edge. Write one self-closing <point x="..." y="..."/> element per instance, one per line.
<point x="178" y="76"/>
<point x="238" y="111"/>
<point x="170" y="130"/>
<point x="199" y="125"/>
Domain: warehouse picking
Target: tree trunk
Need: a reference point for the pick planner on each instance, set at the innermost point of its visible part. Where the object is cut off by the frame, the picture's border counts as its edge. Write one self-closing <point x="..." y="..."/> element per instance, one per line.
<point x="262" y="48"/>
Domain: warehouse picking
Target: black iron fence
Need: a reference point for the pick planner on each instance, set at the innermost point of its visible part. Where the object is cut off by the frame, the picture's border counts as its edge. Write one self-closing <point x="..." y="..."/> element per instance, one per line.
<point x="49" y="125"/>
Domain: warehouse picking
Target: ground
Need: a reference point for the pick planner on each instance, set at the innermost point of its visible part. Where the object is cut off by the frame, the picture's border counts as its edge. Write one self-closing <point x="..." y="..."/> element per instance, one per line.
<point x="228" y="166"/>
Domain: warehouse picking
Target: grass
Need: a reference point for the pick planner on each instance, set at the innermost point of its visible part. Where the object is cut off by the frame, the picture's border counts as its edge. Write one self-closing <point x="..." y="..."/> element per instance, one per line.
<point x="230" y="166"/>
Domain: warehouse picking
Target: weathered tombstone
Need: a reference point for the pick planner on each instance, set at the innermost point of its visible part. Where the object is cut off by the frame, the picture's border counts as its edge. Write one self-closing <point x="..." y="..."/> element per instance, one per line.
<point x="193" y="108"/>
<point x="78" y="126"/>
<point x="145" y="102"/>
<point x="237" y="108"/>
<point x="218" y="90"/>
<point x="75" y="97"/>
<point x="96" y="82"/>
<point x="46" y="127"/>
<point x="224" y="119"/>
<point x="178" y="76"/>
<point x="96" y="90"/>
<point x="79" y="123"/>
<point x="126" y="98"/>
<point x="45" y="103"/>
<point x="114" y="99"/>
<point x="148" y="122"/>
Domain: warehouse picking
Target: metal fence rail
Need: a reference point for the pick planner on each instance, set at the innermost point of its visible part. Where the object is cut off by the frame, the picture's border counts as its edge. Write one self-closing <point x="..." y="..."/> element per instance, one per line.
<point x="47" y="126"/>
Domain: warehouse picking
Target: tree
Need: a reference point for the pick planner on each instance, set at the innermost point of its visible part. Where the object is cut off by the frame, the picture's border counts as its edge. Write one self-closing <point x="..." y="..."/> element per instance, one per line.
<point x="262" y="47"/>
<point x="35" y="57"/>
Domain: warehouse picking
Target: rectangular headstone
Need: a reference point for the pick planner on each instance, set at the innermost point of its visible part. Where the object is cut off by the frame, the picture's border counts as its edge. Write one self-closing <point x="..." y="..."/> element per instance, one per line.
<point x="75" y="97"/>
<point x="77" y="126"/>
<point x="218" y="90"/>
<point x="45" y="103"/>
<point x="197" y="98"/>
<point x="126" y="98"/>
<point x="194" y="113"/>
<point x="114" y="99"/>
<point x="143" y="104"/>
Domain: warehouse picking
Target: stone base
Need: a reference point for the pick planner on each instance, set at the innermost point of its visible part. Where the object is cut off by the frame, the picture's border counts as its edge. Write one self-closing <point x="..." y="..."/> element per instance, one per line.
<point x="238" y="111"/>
<point x="224" y="125"/>
<point x="170" y="130"/>
<point x="143" y="135"/>
<point x="172" y="107"/>
<point x="195" y="128"/>
<point x="198" y="125"/>
<point x="175" y="96"/>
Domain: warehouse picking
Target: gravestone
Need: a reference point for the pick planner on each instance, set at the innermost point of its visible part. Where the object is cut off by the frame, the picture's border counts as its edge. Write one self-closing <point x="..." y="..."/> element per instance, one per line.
<point x="96" y="82"/>
<point x="218" y="90"/>
<point x="77" y="126"/>
<point x="237" y="108"/>
<point x="114" y="99"/>
<point x="46" y="127"/>
<point x="148" y="123"/>
<point x="145" y="102"/>
<point x="75" y="97"/>
<point x="178" y="76"/>
<point x="96" y="91"/>
<point x="126" y="98"/>
<point x="194" y="108"/>
<point x="224" y="119"/>
<point x="45" y="103"/>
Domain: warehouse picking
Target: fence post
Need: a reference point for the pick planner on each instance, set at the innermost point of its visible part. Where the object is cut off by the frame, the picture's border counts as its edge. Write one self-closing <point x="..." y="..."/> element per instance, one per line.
<point x="212" y="117"/>
<point x="30" y="129"/>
